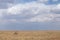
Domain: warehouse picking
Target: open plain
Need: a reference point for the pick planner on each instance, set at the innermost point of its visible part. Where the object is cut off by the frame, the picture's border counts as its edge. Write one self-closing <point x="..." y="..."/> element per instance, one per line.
<point x="29" y="35"/>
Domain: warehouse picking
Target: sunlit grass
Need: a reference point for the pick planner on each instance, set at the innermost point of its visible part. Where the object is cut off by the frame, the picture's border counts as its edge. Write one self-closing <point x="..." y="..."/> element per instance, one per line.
<point x="29" y="35"/>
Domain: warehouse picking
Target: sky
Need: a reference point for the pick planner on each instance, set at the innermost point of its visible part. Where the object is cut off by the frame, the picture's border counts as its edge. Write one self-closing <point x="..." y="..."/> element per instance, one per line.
<point x="29" y="14"/>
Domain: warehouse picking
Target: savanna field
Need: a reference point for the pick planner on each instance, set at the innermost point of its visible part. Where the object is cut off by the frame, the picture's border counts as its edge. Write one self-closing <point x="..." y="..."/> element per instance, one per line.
<point x="29" y="35"/>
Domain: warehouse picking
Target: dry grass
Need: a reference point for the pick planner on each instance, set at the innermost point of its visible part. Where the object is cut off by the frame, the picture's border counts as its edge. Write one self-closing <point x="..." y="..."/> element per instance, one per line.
<point x="29" y="35"/>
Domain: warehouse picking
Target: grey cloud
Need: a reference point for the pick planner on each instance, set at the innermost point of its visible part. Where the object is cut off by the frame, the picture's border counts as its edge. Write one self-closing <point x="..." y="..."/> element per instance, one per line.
<point x="4" y="4"/>
<point x="30" y="16"/>
<point x="6" y="1"/>
<point x="32" y="11"/>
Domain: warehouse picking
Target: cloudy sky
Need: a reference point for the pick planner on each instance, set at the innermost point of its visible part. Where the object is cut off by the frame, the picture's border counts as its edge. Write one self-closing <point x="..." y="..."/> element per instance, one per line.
<point x="29" y="14"/>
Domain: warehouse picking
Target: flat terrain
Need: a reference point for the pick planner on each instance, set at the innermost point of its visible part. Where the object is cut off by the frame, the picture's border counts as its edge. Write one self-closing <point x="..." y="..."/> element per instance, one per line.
<point x="29" y="35"/>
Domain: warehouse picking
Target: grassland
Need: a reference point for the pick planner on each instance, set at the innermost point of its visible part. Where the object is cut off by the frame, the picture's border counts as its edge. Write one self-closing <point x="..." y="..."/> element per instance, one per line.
<point x="29" y="35"/>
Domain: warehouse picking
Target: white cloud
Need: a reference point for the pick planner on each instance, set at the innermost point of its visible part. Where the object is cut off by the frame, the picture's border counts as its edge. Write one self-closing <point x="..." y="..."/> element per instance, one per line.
<point x="31" y="12"/>
<point x="42" y="18"/>
<point x="56" y="9"/>
<point x="29" y="7"/>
